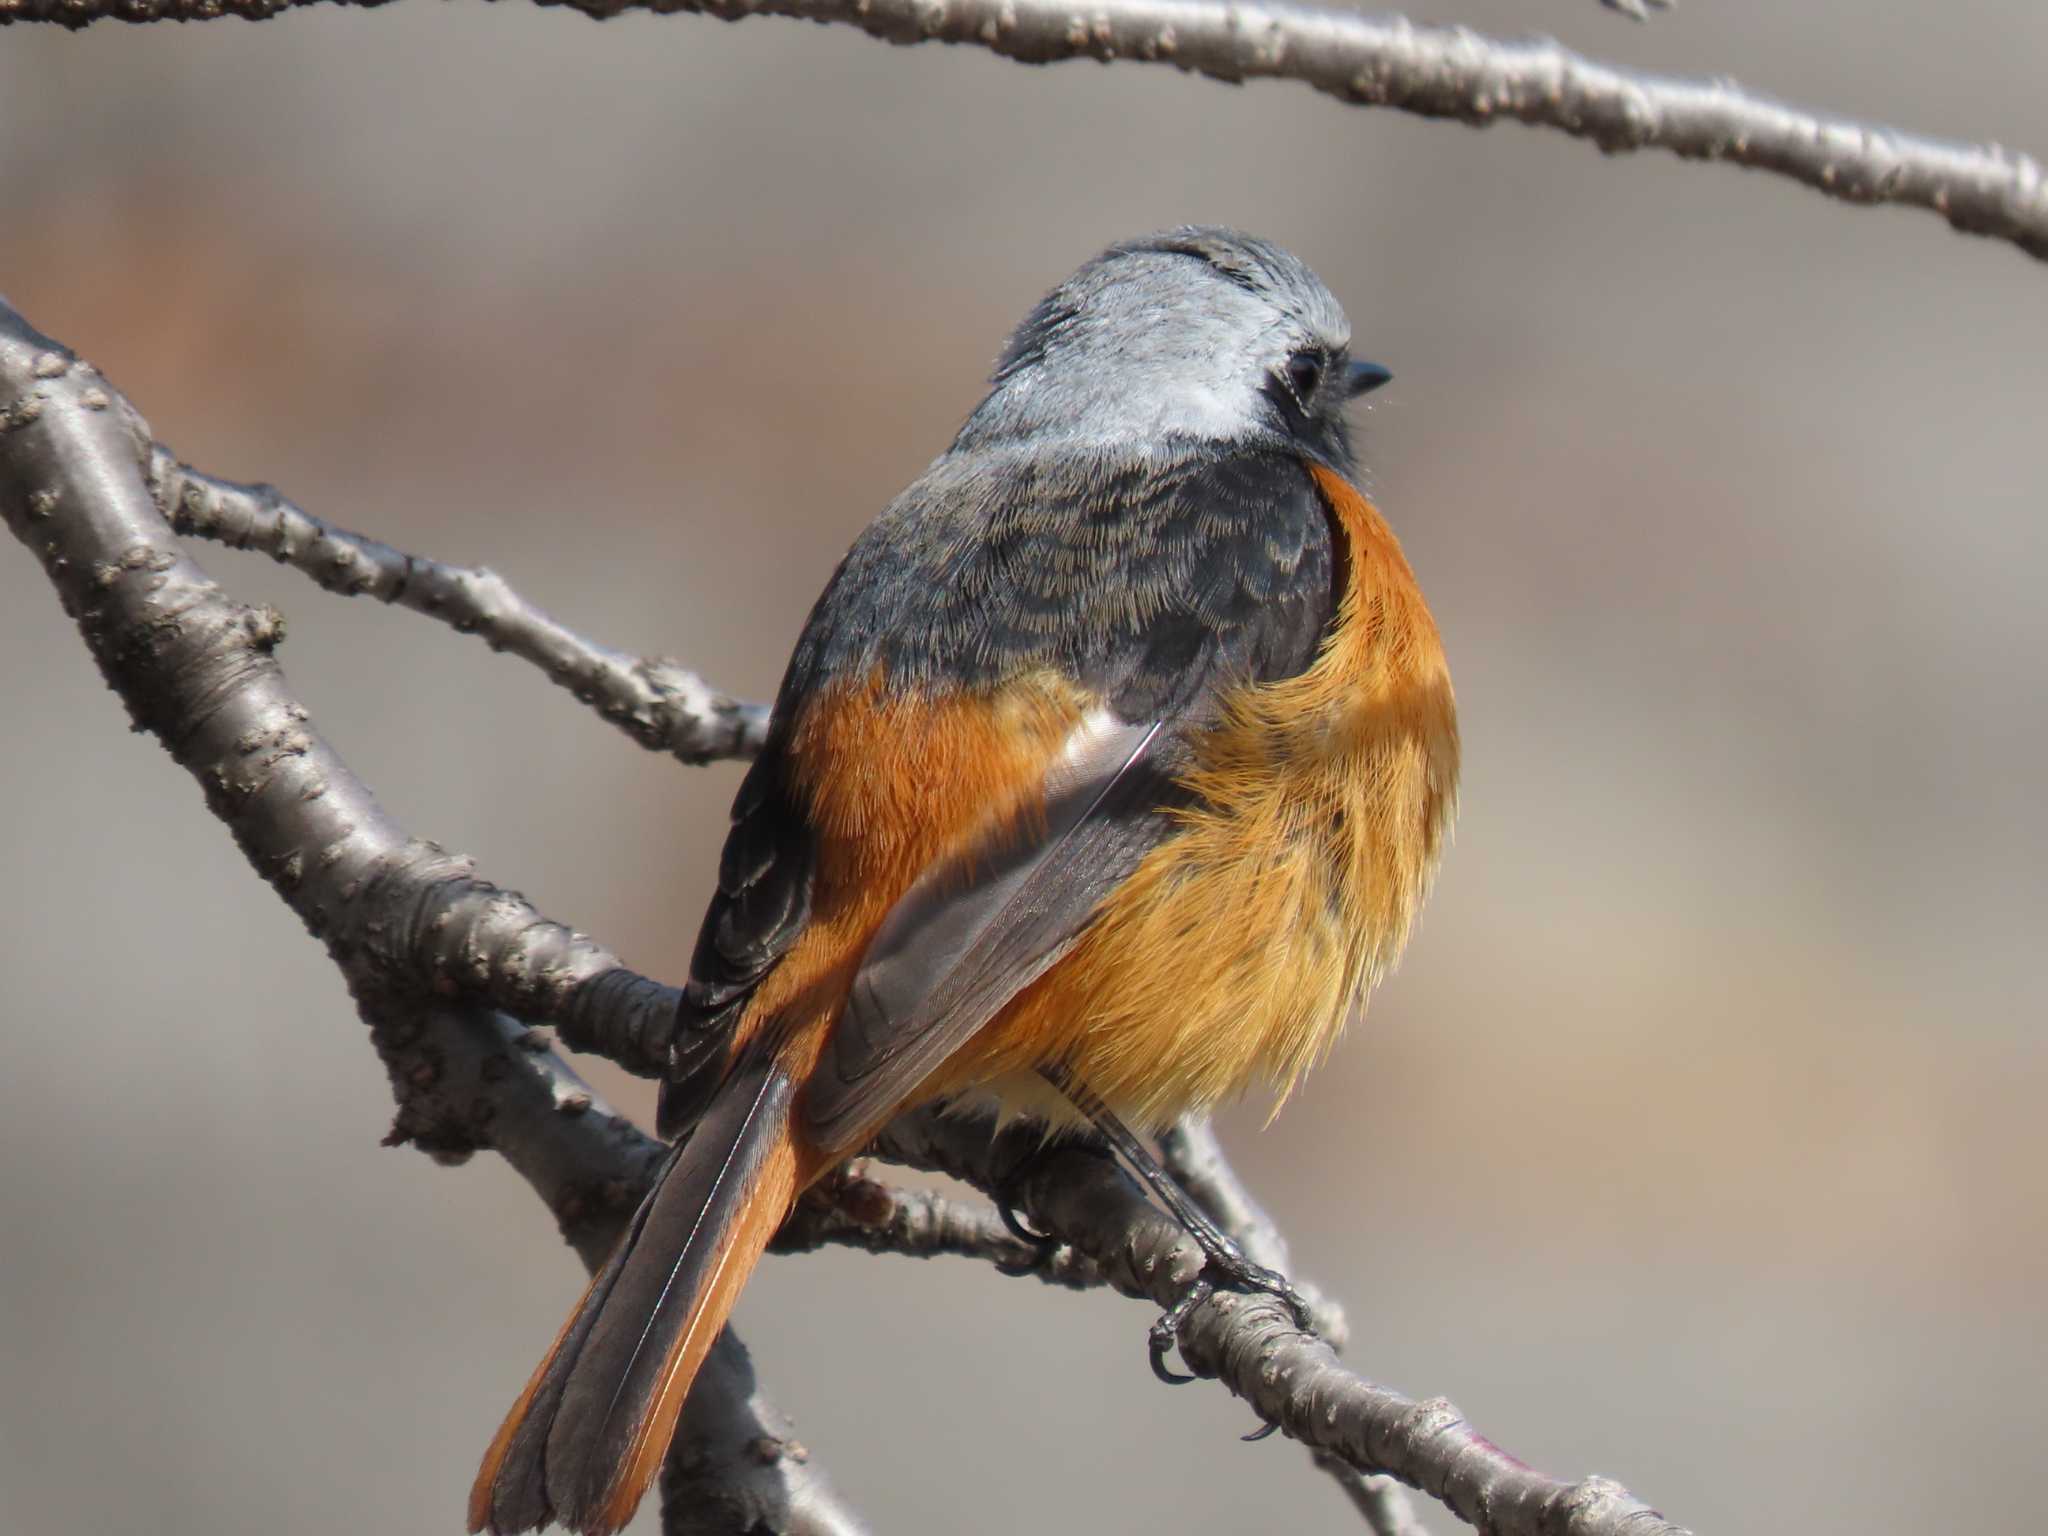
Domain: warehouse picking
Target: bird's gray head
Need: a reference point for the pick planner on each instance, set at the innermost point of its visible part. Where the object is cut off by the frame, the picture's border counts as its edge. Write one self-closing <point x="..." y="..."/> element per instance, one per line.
<point x="1196" y="334"/>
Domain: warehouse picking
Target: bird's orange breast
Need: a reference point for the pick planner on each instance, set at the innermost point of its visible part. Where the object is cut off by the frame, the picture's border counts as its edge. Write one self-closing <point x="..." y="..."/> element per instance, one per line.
<point x="1239" y="947"/>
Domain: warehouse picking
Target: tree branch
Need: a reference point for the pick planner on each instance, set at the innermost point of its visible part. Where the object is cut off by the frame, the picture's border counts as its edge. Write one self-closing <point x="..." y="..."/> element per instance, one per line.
<point x="1639" y="10"/>
<point x="1195" y="1158"/>
<point x="1289" y="1378"/>
<point x="468" y="1077"/>
<point x="430" y="952"/>
<point x="410" y="928"/>
<point x="658" y="702"/>
<point x="1381" y="1502"/>
<point x="195" y="668"/>
<point x="856" y="1211"/>
<point x="729" y="1427"/>
<point x="1191" y="1153"/>
<point x="1441" y="72"/>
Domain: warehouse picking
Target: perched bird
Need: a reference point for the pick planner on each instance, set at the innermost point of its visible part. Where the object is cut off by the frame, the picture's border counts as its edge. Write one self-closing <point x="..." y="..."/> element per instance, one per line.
<point x="1107" y="778"/>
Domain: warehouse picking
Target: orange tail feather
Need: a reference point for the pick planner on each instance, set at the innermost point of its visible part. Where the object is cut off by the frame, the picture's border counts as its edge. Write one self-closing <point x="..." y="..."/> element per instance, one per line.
<point x="587" y="1436"/>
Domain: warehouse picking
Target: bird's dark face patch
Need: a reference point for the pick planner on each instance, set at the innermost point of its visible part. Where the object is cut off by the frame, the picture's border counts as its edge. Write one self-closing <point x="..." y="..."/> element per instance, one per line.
<point x="1309" y="394"/>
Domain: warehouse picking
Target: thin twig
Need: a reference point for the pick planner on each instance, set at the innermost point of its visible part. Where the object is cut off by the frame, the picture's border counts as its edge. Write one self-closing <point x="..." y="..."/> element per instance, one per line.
<point x="1639" y="10"/>
<point x="660" y="703"/>
<point x="1190" y="1152"/>
<point x="195" y="668"/>
<point x="1442" y="72"/>
<point x="1381" y="1502"/>
<point x="854" y="1210"/>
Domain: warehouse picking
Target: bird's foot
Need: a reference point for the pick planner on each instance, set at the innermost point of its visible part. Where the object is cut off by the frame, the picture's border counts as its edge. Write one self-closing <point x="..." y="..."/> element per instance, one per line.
<point x="1224" y="1267"/>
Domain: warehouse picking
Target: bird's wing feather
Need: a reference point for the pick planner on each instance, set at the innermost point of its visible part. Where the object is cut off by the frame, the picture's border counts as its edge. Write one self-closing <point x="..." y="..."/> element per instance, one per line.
<point x="761" y="904"/>
<point x="971" y="934"/>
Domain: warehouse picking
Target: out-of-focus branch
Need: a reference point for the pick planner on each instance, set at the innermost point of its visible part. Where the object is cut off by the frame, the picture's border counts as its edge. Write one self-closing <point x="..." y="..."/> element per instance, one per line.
<point x="1190" y="1152"/>
<point x="1386" y="61"/>
<point x="1289" y="1378"/>
<point x="658" y="702"/>
<point x="1381" y="1502"/>
<point x="1639" y="10"/>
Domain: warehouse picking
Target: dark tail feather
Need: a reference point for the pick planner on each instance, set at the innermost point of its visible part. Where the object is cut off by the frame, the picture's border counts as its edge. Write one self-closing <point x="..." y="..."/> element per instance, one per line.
<point x="589" y="1432"/>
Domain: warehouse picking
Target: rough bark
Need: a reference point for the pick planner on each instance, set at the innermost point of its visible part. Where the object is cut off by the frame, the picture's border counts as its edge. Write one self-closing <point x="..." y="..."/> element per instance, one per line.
<point x="1382" y="61"/>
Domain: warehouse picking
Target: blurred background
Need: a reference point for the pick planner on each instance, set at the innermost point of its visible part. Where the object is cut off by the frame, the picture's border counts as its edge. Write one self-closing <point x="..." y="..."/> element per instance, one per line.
<point x="1699" y="1142"/>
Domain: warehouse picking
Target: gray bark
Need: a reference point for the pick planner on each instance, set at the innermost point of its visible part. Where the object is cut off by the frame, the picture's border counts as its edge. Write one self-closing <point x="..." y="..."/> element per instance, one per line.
<point x="1384" y="61"/>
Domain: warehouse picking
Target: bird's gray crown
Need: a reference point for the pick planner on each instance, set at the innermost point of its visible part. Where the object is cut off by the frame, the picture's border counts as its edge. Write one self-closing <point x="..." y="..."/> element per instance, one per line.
<point x="1176" y="335"/>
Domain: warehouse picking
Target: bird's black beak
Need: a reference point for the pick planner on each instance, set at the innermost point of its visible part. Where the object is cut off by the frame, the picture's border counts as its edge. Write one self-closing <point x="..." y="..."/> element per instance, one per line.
<point x="1364" y="378"/>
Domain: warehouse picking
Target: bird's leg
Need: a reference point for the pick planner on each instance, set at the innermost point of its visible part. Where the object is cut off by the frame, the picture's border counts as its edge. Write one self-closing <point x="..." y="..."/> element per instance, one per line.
<point x="1223" y="1259"/>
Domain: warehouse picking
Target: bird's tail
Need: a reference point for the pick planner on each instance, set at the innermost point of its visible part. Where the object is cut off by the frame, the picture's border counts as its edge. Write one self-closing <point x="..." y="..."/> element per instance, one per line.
<point x="589" y="1432"/>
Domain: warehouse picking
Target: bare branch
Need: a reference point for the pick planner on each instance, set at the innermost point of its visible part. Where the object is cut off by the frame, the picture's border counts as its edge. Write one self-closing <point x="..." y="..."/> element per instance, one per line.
<point x="857" y="1211"/>
<point x="1195" y="1158"/>
<point x="1443" y="72"/>
<point x="658" y="702"/>
<point x="1289" y="1378"/>
<point x="729" y="1428"/>
<point x="1191" y="1153"/>
<point x="196" y="668"/>
<point x="466" y="1077"/>
<point x="1381" y="1502"/>
<point x="1639" y="10"/>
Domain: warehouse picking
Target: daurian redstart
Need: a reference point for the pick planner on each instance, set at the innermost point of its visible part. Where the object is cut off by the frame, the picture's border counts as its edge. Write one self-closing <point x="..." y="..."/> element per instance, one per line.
<point x="1108" y="776"/>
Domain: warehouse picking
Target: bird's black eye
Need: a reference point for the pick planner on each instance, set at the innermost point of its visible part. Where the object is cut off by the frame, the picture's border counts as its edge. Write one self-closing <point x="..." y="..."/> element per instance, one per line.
<point x="1304" y="373"/>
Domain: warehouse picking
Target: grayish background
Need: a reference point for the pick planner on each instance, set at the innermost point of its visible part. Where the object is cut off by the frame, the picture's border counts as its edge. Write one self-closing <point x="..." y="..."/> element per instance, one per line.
<point x="1700" y="1140"/>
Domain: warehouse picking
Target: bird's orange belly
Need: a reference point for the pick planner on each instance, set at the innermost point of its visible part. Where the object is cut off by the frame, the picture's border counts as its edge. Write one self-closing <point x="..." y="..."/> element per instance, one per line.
<point x="1236" y="952"/>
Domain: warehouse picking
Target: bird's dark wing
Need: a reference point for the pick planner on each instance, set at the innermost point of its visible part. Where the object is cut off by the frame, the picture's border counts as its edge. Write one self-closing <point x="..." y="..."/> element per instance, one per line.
<point x="761" y="904"/>
<point x="1233" y="584"/>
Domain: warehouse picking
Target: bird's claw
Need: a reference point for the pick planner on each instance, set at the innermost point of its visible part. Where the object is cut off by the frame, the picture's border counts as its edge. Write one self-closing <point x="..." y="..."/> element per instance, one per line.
<point x="1165" y="1335"/>
<point x="1011" y="1185"/>
<point x="1006" y="1208"/>
<point x="1226" y="1266"/>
